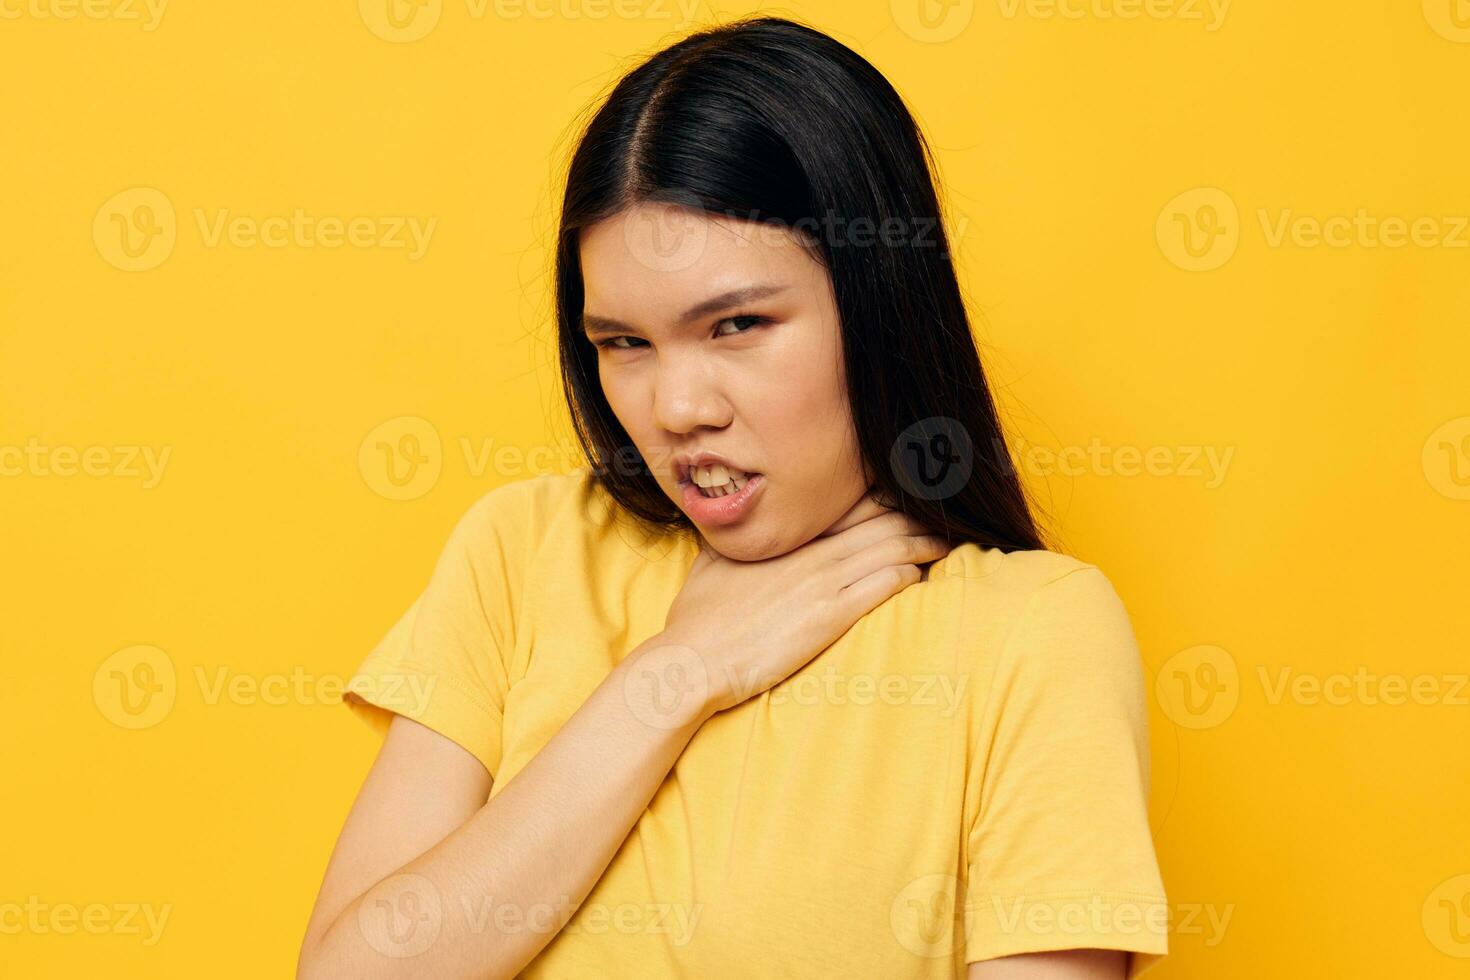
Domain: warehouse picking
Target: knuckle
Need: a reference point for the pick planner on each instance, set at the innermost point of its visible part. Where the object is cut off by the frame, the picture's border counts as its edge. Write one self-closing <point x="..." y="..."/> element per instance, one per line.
<point x="896" y="520"/>
<point x="894" y="550"/>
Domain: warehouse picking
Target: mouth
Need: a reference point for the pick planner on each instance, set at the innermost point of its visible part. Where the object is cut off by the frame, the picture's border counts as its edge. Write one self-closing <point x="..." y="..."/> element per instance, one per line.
<point x="720" y="506"/>
<point x="713" y="478"/>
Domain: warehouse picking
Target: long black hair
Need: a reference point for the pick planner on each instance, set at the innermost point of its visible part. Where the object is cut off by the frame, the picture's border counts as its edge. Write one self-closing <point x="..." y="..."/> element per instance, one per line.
<point x="766" y="119"/>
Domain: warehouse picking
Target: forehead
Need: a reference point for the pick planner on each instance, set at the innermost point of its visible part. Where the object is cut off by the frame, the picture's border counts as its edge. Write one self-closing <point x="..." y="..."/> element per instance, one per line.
<point x="650" y="261"/>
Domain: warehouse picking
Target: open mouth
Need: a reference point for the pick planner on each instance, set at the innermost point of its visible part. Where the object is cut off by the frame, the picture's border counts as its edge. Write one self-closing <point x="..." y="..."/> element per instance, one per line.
<point x="717" y="480"/>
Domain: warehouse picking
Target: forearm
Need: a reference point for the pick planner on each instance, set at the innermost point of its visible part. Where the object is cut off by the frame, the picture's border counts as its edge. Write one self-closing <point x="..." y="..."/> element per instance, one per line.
<point x="500" y="886"/>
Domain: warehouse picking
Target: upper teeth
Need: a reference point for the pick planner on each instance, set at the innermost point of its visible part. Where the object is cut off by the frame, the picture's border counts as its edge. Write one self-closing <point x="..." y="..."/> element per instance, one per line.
<point x="717" y="475"/>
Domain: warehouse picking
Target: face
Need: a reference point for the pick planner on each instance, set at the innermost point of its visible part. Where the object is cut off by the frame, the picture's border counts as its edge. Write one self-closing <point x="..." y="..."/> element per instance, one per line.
<point x="688" y="365"/>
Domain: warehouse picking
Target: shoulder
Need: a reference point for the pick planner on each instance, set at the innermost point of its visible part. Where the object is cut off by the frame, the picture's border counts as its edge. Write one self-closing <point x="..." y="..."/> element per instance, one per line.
<point x="1017" y="580"/>
<point x="524" y="510"/>
<point x="533" y="495"/>
<point x="1043" y="607"/>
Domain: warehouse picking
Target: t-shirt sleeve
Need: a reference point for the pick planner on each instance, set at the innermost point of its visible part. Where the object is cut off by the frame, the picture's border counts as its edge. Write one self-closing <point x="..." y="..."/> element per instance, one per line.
<point x="1060" y="853"/>
<point x="443" y="663"/>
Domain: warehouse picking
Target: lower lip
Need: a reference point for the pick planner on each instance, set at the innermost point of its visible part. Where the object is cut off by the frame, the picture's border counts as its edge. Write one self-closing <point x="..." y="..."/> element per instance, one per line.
<point x="719" y="511"/>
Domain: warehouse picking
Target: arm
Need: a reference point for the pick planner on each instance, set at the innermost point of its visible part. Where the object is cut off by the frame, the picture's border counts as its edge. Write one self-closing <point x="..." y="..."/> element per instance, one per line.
<point x="1064" y="964"/>
<point x="1062" y="829"/>
<point x="539" y="846"/>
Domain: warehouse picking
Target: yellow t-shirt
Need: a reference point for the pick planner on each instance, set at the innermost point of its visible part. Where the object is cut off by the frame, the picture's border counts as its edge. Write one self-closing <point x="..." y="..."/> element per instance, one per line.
<point x="962" y="775"/>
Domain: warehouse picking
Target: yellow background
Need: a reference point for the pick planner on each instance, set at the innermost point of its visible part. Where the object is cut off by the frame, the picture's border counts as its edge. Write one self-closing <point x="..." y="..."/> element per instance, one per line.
<point x="272" y="551"/>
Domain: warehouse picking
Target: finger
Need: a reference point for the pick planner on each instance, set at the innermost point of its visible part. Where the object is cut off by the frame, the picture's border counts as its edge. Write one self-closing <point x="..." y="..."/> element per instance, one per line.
<point x="862" y="536"/>
<point x="875" y="588"/>
<point x="903" y="549"/>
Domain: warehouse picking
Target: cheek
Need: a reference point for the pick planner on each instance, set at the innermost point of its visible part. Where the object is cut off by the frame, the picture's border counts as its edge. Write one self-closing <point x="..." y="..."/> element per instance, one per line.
<point x="627" y="402"/>
<point x="805" y="420"/>
<point x="804" y="374"/>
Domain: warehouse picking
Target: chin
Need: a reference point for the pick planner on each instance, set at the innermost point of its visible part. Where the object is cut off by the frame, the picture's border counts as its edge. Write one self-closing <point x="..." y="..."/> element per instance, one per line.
<point x="744" y="543"/>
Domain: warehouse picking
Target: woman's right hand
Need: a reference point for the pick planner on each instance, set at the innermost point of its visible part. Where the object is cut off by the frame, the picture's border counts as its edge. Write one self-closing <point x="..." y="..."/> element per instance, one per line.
<point x="753" y="624"/>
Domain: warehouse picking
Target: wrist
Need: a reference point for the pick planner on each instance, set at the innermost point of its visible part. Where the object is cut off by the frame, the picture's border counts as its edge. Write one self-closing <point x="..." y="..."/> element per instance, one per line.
<point x="668" y="684"/>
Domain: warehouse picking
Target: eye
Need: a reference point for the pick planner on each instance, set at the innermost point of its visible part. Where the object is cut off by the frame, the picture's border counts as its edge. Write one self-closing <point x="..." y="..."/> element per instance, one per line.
<point x="751" y="320"/>
<point x="612" y="343"/>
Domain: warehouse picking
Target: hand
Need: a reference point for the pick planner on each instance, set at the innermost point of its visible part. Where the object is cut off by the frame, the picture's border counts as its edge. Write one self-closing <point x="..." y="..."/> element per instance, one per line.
<point x="755" y="623"/>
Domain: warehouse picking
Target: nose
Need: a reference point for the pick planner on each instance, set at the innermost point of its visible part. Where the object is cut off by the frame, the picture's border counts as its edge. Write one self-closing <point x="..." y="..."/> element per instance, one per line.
<point x="687" y="396"/>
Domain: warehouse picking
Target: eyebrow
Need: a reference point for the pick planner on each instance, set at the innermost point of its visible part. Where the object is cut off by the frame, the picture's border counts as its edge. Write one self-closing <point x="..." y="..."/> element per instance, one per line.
<point x="593" y="325"/>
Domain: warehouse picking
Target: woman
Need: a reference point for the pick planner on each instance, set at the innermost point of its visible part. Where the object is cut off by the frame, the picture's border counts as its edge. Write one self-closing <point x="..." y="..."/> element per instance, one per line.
<point x="785" y="683"/>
